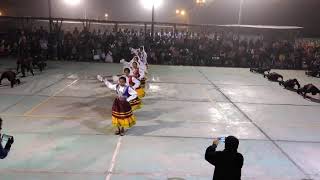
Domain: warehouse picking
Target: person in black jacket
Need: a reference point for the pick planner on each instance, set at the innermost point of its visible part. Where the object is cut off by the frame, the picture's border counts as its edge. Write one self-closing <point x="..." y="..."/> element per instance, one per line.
<point x="11" y="76"/>
<point x="260" y="70"/>
<point x="228" y="163"/>
<point x="290" y="84"/>
<point x="309" y="88"/>
<point x="274" y="77"/>
<point x="4" y="151"/>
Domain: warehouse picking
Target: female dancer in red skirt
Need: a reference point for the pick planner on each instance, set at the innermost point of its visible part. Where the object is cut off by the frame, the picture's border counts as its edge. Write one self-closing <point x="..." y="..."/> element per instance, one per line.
<point x="138" y="73"/>
<point x="122" y="116"/>
<point x="134" y="83"/>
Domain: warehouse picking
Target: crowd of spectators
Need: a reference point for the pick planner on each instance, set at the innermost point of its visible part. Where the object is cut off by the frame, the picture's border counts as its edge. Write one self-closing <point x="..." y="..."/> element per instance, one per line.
<point x="180" y="48"/>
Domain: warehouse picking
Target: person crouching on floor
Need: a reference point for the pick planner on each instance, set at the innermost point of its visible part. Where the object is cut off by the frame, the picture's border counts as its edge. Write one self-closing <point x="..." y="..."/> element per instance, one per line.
<point x="11" y="76"/>
<point x="290" y="84"/>
<point x="309" y="88"/>
<point x="273" y="77"/>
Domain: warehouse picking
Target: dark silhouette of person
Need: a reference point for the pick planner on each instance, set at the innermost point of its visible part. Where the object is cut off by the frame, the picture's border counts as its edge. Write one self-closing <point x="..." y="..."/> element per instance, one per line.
<point x="228" y="163"/>
<point x="290" y="84"/>
<point x="25" y="63"/>
<point x="309" y="88"/>
<point x="260" y="70"/>
<point x="11" y="76"/>
<point x="273" y="77"/>
<point x="4" y="151"/>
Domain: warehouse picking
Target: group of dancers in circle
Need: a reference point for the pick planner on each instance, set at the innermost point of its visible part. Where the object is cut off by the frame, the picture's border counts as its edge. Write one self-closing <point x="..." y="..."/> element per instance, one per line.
<point x="290" y="84"/>
<point x="129" y="88"/>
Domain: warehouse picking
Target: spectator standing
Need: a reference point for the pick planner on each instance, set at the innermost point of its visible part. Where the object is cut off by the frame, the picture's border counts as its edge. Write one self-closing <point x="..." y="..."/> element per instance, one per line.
<point x="228" y="163"/>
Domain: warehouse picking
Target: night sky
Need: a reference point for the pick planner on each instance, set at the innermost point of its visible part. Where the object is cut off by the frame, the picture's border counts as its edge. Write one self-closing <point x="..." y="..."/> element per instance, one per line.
<point x="266" y="12"/>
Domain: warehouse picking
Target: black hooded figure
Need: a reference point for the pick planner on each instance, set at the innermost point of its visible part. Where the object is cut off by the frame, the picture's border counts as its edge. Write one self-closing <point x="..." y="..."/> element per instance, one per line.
<point x="309" y="88"/>
<point x="228" y="163"/>
<point x="274" y="77"/>
<point x="11" y="76"/>
<point x="290" y="84"/>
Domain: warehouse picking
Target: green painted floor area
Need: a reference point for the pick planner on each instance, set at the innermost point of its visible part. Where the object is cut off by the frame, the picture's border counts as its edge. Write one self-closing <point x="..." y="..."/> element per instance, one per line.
<point x="61" y="120"/>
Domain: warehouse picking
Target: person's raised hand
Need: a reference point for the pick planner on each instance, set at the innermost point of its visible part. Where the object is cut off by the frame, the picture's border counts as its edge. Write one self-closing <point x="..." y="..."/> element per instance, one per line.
<point x="11" y="140"/>
<point x="215" y="141"/>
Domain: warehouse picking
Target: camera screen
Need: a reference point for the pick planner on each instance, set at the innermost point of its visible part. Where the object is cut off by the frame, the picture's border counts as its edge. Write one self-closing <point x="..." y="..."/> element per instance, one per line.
<point x="4" y="139"/>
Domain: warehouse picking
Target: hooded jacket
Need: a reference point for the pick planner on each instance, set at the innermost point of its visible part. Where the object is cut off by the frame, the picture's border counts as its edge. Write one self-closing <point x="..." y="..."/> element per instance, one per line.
<point x="228" y="163"/>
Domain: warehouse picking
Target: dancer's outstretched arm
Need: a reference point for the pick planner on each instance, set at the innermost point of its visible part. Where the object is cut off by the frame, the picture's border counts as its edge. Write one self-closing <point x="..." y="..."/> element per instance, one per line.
<point x="110" y="85"/>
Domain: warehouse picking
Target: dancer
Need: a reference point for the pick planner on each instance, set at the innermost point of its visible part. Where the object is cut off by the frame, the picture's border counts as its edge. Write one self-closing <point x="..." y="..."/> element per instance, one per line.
<point x="131" y="81"/>
<point x="290" y="84"/>
<point x="134" y="103"/>
<point x="122" y="116"/>
<point x="138" y="73"/>
<point x="273" y="77"/>
<point x="260" y="70"/>
<point x="11" y="76"/>
<point x="134" y="83"/>
<point x="39" y="62"/>
<point x="309" y="88"/>
<point x="25" y="63"/>
<point x="129" y="64"/>
<point x="144" y="58"/>
<point x="313" y="73"/>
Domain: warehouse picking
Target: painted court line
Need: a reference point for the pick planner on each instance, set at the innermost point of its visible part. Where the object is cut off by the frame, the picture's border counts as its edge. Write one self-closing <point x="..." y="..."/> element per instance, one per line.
<point x="258" y="127"/>
<point x="45" y="101"/>
<point x="114" y="157"/>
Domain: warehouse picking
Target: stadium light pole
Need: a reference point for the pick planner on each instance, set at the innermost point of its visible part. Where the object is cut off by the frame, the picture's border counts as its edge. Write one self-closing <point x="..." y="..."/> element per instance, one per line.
<point x="152" y="4"/>
<point x="152" y="23"/>
<point x="240" y="12"/>
<point x="50" y="15"/>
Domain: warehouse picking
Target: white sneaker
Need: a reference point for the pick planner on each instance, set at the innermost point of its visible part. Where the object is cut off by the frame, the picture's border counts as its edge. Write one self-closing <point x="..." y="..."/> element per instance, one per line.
<point x="100" y="78"/>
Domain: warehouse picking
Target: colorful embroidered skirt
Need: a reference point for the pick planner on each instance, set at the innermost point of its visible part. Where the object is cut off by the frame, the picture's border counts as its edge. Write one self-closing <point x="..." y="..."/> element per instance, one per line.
<point x="122" y="114"/>
<point x="141" y="93"/>
<point x="135" y="104"/>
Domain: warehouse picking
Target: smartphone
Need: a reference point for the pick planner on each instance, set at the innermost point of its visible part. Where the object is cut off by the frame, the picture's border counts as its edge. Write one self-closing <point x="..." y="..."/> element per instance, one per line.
<point x="5" y="138"/>
<point x="222" y="139"/>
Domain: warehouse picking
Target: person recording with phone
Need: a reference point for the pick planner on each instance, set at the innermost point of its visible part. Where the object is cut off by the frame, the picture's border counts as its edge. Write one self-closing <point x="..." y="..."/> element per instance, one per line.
<point x="228" y="163"/>
<point x="9" y="141"/>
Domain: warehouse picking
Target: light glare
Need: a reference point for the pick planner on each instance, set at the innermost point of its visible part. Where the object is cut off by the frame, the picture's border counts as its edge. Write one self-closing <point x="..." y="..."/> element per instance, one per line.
<point x="147" y="4"/>
<point x="72" y="2"/>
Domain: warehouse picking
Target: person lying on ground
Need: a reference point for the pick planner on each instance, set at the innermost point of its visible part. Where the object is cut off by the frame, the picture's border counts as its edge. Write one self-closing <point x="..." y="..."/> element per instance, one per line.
<point x="309" y="88"/>
<point x="290" y="84"/>
<point x="273" y="77"/>
<point x="260" y="70"/>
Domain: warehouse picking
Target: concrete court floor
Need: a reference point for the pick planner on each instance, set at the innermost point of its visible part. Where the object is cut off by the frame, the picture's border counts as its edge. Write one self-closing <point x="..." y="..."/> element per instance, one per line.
<point x="61" y="123"/>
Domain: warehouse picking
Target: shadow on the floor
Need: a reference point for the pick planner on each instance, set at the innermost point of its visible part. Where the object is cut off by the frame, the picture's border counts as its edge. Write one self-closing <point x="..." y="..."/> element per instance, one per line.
<point x="8" y="85"/>
<point x="95" y="105"/>
<point x="315" y="100"/>
<point x="160" y="124"/>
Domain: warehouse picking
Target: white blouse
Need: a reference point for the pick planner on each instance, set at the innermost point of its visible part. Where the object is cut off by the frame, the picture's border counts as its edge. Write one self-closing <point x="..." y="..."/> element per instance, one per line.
<point x="134" y="80"/>
<point x="121" y="90"/>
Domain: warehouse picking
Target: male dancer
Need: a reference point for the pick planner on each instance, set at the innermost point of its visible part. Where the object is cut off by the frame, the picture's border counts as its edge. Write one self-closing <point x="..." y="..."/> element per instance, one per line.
<point x="11" y="76"/>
